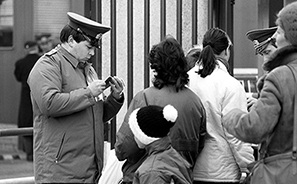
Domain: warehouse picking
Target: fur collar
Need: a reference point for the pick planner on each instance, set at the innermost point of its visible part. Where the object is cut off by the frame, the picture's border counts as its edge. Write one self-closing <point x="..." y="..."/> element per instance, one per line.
<point x="281" y="57"/>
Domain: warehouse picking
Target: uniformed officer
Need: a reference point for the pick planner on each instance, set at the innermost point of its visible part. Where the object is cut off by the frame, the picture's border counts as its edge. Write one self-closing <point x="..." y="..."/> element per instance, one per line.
<point x="69" y="108"/>
<point x="263" y="41"/>
<point x="264" y="44"/>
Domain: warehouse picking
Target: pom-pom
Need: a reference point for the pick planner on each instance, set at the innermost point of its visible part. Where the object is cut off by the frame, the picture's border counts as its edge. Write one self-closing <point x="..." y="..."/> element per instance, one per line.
<point x="170" y="113"/>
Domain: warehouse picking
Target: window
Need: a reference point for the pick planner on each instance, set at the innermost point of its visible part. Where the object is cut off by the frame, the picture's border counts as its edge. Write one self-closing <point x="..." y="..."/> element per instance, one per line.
<point x="6" y="23"/>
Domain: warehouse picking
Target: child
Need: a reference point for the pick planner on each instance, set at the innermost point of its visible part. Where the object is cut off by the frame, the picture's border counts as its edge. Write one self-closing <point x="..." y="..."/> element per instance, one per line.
<point x="150" y="126"/>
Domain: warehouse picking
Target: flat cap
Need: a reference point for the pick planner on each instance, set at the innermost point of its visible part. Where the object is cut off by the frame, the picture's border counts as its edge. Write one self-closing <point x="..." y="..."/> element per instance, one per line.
<point x="47" y="35"/>
<point x="88" y="26"/>
<point x="261" y="34"/>
<point x="30" y="44"/>
<point x="261" y="38"/>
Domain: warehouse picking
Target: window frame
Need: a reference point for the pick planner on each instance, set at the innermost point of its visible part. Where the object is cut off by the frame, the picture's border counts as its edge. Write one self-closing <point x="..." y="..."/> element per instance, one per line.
<point x="12" y="16"/>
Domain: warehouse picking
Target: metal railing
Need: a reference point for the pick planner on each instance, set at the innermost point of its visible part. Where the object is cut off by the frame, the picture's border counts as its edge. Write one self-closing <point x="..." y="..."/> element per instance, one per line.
<point x="16" y="131"/>
<point x="23" y="180"/>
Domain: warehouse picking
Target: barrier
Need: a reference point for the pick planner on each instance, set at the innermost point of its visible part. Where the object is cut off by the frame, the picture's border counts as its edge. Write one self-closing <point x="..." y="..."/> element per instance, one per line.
<point x="16" y="131"/>
<point x="24" y="180"/>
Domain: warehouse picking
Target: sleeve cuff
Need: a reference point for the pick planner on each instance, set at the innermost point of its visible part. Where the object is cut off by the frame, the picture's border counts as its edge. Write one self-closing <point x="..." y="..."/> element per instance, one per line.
<point x="120" y="99"/>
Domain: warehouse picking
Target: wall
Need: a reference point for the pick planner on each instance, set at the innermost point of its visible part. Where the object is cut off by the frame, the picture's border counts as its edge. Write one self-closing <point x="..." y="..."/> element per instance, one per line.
<point x="50" y="16"/>
<point x="9" y="87"/>
<point x="31" y="17"/>
<point x="38" y="16"/>
<point x="138" y="37"/>
<point x="245" y="19"/>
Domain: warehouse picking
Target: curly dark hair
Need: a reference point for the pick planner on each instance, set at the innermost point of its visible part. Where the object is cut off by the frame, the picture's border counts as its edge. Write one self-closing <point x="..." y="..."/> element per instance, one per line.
<point x="167" y="59"/>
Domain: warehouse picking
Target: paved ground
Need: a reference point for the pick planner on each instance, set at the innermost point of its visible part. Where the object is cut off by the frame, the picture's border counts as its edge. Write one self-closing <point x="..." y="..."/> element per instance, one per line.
<point x="15" y="169"/>
<point x="12" y="161"/>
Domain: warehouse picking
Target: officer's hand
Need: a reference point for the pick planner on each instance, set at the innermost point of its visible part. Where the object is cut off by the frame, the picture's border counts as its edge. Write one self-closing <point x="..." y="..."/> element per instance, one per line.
<point x="97" y="87"/>
<point x="117" y="86"/>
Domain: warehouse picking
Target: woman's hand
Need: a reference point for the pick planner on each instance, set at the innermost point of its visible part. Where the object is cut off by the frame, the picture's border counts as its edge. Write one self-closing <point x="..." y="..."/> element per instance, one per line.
<point x="250" y="102"/>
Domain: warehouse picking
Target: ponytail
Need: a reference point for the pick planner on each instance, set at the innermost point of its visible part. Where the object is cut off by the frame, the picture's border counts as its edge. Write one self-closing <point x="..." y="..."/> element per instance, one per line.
<point x="215" y="41"/>
<point x="208" y="61"/>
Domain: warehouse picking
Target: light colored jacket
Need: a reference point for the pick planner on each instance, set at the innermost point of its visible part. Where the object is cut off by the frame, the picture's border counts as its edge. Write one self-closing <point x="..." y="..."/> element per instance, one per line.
<point x="68" y="122"/>
<point x="223" y="156"/>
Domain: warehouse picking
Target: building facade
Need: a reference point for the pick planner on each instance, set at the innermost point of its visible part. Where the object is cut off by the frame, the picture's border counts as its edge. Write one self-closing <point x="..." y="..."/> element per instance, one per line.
<point x="136" y="26"/>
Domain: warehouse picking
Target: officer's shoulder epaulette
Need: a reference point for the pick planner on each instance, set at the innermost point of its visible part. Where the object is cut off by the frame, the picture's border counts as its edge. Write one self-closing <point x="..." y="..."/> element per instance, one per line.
<point x="51" y="52"/>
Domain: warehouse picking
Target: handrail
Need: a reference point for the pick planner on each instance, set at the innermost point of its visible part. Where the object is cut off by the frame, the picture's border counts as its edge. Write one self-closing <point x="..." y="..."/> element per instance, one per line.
<point x="24" y="180"/>
<point x="16" y="131"/>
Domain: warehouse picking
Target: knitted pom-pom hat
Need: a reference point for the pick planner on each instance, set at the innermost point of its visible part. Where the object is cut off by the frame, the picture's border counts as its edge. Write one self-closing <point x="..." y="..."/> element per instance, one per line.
<point x="152" y="122"/>
<point x="287" y="20"/>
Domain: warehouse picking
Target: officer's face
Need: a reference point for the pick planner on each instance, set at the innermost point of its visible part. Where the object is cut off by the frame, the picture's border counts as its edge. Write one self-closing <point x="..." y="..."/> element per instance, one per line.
<point x="83" y="50"/>
<point x="268" y="52"/>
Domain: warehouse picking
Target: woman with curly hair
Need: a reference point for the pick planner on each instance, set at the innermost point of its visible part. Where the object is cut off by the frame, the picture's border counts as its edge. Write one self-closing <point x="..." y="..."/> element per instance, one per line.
<point x="168" y="62"/>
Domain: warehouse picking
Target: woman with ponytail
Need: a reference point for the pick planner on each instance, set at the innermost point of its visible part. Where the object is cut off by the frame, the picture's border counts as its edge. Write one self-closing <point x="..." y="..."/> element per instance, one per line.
<point x="224" y="158"/>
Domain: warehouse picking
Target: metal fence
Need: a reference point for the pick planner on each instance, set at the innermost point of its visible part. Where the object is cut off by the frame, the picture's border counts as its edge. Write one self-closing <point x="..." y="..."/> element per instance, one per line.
<point x="23" y="180"/>
<point x="16" y="131"/>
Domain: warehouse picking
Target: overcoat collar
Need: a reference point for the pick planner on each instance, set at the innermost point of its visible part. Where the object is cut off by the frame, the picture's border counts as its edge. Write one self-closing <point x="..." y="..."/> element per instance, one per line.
<point x="69" y="57"/>
<point x="281" y="57"/>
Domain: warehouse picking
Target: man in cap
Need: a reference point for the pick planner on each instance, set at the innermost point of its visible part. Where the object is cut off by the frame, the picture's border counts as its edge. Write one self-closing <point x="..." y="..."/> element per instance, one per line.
<point x="263" y="41"/>
<point x="264" y="44"/>
<point x="69" y="106"/>
<point x="45" y="43"/>
<point x="25" y="115"/>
